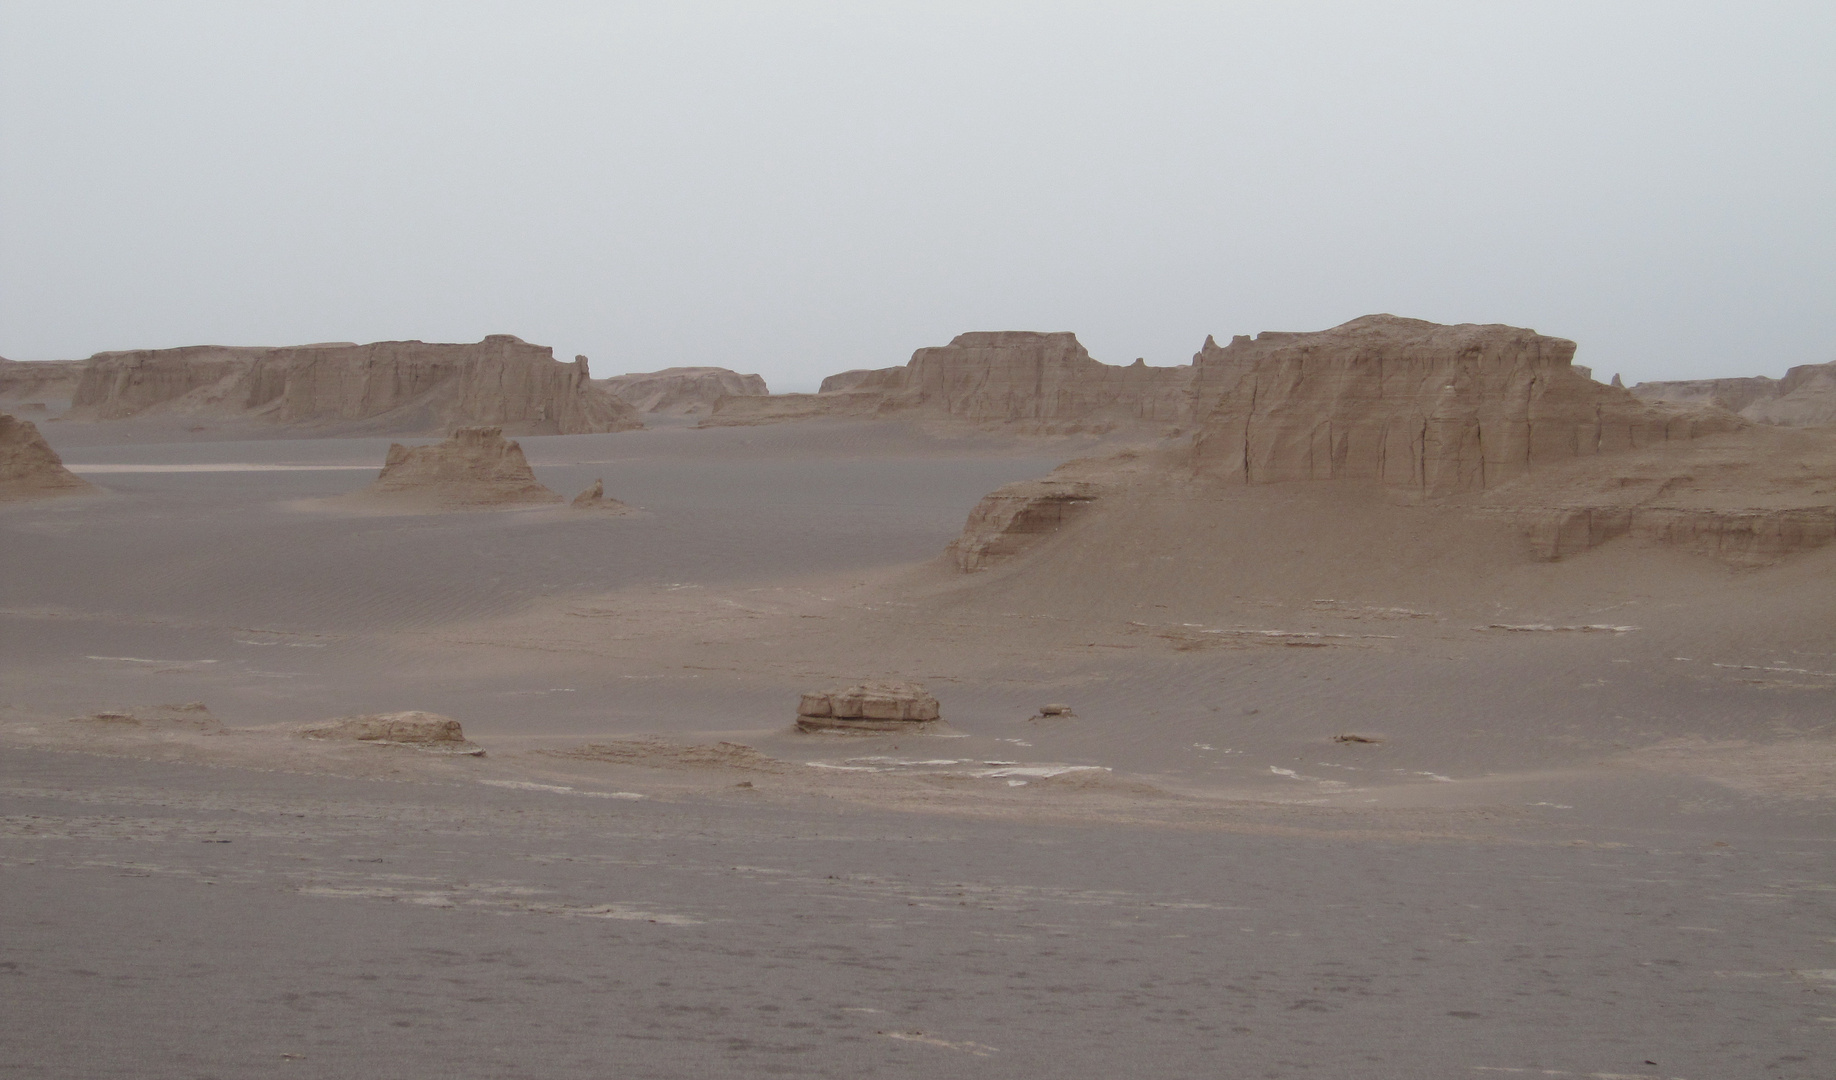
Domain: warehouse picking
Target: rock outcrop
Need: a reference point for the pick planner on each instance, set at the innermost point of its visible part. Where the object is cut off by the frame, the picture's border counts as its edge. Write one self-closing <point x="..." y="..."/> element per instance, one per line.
<point x="39" y="380"/>
<point x="404" y="386"/>
<point x="1805" y="397"/>
<point x="29" y="468"/>
<point x="475" y="468"/>
<point x="1012" y="518"/>
<point x="1432" y="409"/>
<point x="682" y="391"/>
<point x="1747" y="497"/>
<point x="875" y="706"/>
<point x="594" y="499"/>
<point x="421" y="730"/>
<point x="1045" y="383"/>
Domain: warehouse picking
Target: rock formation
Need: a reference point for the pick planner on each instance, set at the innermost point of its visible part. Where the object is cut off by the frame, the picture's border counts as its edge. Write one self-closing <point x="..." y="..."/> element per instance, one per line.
<point x="1748" y="497"/>
<point x="876" y="706"/>
<point x="422" y="730"/>
<point x="405" y="386"/>
<point x="39" y="380"/>
<point x="1805" y="397"/>
<point x="1012" y="518"/>
<point x="1432" y="409"/>
<point x="594" y="499"/>
<point x="1016" y="379"/>
<point x="29" y="468"/>
<point x="475" y="468"/>
<point x="682" y="391"/>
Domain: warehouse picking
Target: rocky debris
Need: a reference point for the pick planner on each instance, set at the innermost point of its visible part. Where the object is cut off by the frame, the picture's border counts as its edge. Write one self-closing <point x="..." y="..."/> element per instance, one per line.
<point x="1033" y="382"/>
<point x="1749" y="497"/>
<point x="682" y="391"/>
<point x="1436" y="410"/>
<point x="876" y="706"/>
<point x="1805" y="397"/>
<point x="39" y="380"/>
<point x="422" y="730"/>
<point x="29" y="468"/>
<point x="594" y="499"/>
<point x="658" y="754"/>
<point x="406" y="386"/>
<point x="1012" y="518"/>
<point x="476" y="467"/>
<point x="192" y="714"/>
<point x="1351" y="738"/>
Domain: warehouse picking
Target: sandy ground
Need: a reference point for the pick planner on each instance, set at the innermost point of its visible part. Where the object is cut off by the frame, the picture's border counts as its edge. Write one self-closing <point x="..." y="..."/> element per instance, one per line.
<point x="1585" y="827"/>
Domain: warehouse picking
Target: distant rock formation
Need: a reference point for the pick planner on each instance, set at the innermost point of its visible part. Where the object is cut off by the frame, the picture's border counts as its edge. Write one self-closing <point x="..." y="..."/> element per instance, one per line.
<point x="475" y="468"/>
<point x="682" y="391"/>
<point x="29" y="468"/>
<point x="402" y="386"/>
<point x="594" y="499"/>
<point x="420" y="730"/>
<point x="1805" y="397"/>
<point x="875" y="706"/>
<point x="1410" y="404"/>
<point x="1045" y="383"/>
<point x="39" y="380"/>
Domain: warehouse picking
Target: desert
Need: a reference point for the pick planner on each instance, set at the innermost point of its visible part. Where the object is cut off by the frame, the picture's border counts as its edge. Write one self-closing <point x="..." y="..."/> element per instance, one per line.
<point x="1317" y="685"/>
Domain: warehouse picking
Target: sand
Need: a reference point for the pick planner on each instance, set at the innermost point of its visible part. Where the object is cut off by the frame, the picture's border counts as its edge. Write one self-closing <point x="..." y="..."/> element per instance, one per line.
<point x="1588" y="834"/>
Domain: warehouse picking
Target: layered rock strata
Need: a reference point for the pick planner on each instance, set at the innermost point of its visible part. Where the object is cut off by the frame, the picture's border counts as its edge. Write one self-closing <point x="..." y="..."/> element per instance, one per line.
<point x="476" y="467"/>
<point x="1042" y="382"/>
<point x="875" y="706"/>
<point x="1012" y="518"/>
<point x="389" y="385"/>
<point x="1436" y="410"/>
<point x="1805" y="397"/>
<point x="29" y="468"/>
<point x="422" y="730"/>
<point x="39" y="380"/>
<point x="682" y="391"/>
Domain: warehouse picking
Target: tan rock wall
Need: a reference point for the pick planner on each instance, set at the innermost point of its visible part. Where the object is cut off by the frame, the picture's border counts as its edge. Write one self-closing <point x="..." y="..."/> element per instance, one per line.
<point x="29" y="468"/>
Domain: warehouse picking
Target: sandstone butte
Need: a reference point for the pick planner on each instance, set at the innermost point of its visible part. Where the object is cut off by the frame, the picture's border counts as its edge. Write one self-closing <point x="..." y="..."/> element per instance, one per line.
<point x="1805" y="397"/>
<point x="1490" y="419"/>
<point x="474" y="469"/>
<point x="29" y="468"/>
<point x="401" y="386"/>
<point x="1026" y="381"/>
<point x="39" y="381"/>
<point x="682" y="391"/>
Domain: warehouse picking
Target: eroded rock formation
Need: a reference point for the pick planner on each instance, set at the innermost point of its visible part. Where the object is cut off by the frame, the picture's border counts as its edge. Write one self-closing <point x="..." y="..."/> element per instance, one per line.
<point x="29" y="468"/>
<point x="1016" y="379"/>
<point x="476" y="467"/>
<point x="405" y="386"/>
<point x="1012" y="518"/>
<point x="421" y="730"/>
<point x="875" y="706"/>
<point x="1409" y="404"/>
<point x="1805" y="397"/>
<point x="682" y="391"/>
<point x="594" y="499"/>
<point x="39" y="380"/>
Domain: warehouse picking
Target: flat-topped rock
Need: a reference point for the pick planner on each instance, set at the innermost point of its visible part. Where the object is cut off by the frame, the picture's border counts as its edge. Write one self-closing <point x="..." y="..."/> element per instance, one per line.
<point x="29" y="468"/>
<point x="405" y="386"/>
<point x="874" y="706"/>
<point x="423" y="730"/>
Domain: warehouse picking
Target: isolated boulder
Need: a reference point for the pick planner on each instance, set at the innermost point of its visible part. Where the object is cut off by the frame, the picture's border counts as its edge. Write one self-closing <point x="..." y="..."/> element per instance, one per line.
<point x="876" y="706"/>
<point x="406" y="386"/>
<point x="594" y="499"/>
<point x="476" y="467"/>
<point x="682" y="391"/>
<point x="29" y="468"/>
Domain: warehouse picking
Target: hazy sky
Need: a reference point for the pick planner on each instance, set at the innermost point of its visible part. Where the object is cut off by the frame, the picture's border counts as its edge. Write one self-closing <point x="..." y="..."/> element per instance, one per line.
<point x="797" y="189"/>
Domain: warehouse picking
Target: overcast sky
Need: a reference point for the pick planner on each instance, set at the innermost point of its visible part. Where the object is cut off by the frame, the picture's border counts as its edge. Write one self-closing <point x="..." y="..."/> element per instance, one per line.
<point x="797" y="189"/>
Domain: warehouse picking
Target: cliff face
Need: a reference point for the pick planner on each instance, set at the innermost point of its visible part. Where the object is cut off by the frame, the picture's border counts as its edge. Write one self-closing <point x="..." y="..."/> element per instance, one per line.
<point x="682" y="391"/>
<point x="1411" y="404"/>
<point x="1045" y="382"/>
<point x="391" y="385"/>
<point x="29" y="468"/>
<point x="1805" y="397"/>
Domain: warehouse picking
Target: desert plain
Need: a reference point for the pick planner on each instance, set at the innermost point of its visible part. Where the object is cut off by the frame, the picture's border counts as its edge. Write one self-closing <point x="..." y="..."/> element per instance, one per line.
<point x="1268" y="748"/>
